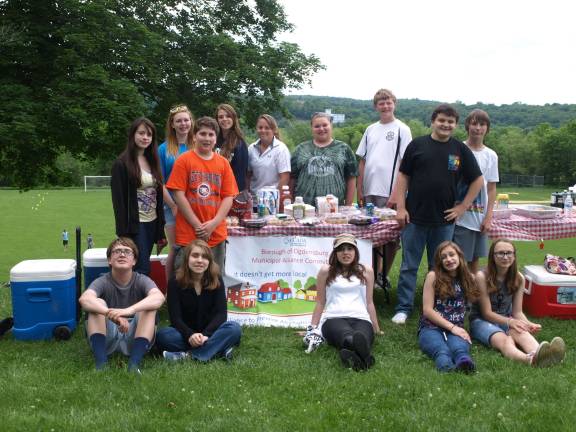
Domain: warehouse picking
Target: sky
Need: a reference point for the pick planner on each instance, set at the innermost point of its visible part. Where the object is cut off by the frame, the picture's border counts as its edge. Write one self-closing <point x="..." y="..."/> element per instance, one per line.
<point x="490" y="51"/>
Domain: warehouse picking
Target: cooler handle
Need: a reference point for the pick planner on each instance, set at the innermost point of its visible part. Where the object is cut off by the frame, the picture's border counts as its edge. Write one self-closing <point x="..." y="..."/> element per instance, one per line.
<point x="38" y="295"/>
<point x="529" y="280"/>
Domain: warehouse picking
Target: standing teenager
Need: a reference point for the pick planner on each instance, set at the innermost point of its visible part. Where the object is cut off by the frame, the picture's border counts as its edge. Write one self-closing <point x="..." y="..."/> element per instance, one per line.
<point x="137" y="199"/>
<point x="179" y="139"/>
<point x="230" y="143"/>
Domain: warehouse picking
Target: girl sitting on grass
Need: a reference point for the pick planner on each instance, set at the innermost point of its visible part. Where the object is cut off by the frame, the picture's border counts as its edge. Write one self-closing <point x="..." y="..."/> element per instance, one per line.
<point x="197" y="310"/>
<point x="447" y="289"/>
<point x="344" y="302"/>
<point x="498" y="321"/>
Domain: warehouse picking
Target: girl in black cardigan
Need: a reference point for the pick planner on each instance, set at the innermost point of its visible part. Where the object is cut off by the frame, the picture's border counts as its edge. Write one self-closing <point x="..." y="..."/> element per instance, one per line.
<point x="197" y="309"/>
<point x="136" y="185"/>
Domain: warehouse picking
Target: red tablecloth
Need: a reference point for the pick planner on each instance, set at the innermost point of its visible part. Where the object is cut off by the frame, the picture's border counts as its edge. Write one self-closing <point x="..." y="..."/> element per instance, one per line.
<point x="379" y="233"/>
<point x="514" y="228"/>
<point x="523" y="228"/>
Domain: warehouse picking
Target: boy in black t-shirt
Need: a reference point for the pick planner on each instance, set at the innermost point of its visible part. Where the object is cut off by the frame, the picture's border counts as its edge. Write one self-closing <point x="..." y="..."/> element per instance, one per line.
<point x="426" y="192"/>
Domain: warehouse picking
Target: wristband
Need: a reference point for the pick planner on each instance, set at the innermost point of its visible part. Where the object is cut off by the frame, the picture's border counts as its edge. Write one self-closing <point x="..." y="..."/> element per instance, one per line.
<point x="311" y="327"/>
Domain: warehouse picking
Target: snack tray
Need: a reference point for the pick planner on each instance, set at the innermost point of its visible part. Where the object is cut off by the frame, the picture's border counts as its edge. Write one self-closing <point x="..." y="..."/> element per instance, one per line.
<point x="536" y="211"/>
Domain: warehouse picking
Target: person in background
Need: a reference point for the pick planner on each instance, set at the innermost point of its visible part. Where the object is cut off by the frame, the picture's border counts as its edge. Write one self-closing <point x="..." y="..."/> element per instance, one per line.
<point x="471" y="230"/>
<point x="323" y="165"/>
<point x="137" y="187"/>
<point x="230" y="143"/>
<point x="344" y="309"/>
<point x="268" y="158"/>
<point x="121" y="307"/>
<point x="447" y="289"/>
<point x="65" y="238"/>
<point x="433" y="168"/>
<point x="179" y="139"/>
<point x="203" y="186"/>
<point x="198" y="310"/>
<point x="89" y="241"/>
<point x="498" y="321"/>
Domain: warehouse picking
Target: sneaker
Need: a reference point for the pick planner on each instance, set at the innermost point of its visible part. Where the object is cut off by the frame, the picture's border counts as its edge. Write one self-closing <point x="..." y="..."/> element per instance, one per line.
<point x="228" y="354"/>
<point x="175" y="356"/>
<point x="350" y="359"/>
<point x="135" y="370"/>
<point x="466" y="365"/>
<point x="400" y="318"/>
<point x="5" y="325"/>
<point x="558" y="348"/>
<point x="543" y="355"/>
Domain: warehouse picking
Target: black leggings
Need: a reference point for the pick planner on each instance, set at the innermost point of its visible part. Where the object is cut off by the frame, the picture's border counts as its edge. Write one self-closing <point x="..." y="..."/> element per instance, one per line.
<point x="339" y="331"/>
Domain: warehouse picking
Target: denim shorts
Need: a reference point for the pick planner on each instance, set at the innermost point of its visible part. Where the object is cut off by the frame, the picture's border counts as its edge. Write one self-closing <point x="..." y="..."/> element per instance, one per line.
<point x="482" y="330"/>
<point x="169" y="217"/>
<point x="474" y="244"/>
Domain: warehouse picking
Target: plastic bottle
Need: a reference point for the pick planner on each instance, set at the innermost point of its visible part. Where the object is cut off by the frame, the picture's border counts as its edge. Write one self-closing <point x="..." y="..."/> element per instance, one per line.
<point x="568" y="204"/>
<point x="285" y="198"/>
<point x="299" y="208"/>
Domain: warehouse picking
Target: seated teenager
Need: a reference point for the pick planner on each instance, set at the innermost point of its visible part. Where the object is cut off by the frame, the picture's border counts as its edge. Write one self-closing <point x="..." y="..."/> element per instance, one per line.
<point x="197" y="309"/>
<point x="121" y="307"/>
<point x="498" y="321"/>
<point x="345" y="309"/>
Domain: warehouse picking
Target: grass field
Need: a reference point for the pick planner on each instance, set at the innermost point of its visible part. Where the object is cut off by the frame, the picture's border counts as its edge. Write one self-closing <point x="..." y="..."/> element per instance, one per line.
<point x="271" y="385"/>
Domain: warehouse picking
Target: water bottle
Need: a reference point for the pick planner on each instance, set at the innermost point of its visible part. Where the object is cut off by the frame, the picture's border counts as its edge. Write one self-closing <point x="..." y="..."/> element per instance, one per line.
<point x="568" y="204"/>
<point x="285" y="198"/>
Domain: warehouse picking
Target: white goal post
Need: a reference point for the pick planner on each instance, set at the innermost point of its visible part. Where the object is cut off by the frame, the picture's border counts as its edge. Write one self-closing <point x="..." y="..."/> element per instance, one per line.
<point x="94" y="183"/>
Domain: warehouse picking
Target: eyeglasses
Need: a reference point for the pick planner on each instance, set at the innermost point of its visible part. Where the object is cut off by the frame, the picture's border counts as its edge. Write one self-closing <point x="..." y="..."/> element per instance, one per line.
<point x="504" y="254"/>
<point x="178" y="108"/>
<point x="125" y="252"/>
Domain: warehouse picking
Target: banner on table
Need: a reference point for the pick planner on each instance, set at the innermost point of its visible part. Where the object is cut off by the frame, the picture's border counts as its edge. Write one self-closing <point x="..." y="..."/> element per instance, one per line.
<point x="271" y="281"/>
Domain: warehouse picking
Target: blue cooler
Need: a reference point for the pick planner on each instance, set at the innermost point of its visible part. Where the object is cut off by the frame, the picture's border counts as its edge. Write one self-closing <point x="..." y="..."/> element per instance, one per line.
<point x="43" y="298"/>
<point x="95" y="264"/>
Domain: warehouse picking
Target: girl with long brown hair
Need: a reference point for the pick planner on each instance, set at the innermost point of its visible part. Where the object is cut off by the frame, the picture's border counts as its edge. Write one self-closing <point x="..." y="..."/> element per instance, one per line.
<point x="498" y="320"/>
<point x="344" y="310"/>
<point x="230" y="143"/>
<point x="136" y="186"/>
<point x="198" y="311"/>
<point x="447" y="289"/>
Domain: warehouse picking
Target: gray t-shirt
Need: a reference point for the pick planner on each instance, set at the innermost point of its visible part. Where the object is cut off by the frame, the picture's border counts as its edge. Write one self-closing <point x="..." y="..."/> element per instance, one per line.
<point x="118" y="296"/>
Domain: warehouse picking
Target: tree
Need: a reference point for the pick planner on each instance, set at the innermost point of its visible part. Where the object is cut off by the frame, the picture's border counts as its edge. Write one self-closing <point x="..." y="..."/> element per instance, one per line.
<point x="559" y="149"/>
<point x="74" y="73"/>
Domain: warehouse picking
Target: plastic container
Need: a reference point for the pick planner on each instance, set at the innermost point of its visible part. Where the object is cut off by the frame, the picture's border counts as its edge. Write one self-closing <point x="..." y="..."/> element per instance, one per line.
<point x="285" y="197"/>
<point x="95" y="264"/>
<point x="568" y="204"/>
<point x="502" y="201"/>
<point x="44" y="299"/>
<point x="298" y="208"/>
<point x="548" y="294"/>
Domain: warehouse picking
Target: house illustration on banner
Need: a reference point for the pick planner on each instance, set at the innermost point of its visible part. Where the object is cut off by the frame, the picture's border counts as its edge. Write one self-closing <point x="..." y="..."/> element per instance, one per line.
<point x="272" y="292"/>
<point x="242" y="295"/>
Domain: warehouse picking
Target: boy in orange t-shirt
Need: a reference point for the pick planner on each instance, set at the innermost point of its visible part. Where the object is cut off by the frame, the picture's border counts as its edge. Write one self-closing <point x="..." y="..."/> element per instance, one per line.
<point x="203" y="185"/>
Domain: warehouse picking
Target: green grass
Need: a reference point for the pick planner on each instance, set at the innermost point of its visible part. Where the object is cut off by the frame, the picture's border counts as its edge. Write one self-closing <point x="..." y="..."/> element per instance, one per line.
<point x="272" y="385"/>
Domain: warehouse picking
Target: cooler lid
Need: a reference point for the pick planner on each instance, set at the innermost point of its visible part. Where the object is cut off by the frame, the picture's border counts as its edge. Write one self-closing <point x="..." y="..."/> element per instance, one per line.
<point x="162" y="258"/>
<point x="95" y="257"/>
<point x="539" y="275"/>
<point x="43" y="269"/>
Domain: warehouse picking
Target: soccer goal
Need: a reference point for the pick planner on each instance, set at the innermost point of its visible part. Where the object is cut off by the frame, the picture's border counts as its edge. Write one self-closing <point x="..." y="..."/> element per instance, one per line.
<point x="95" y="183"/>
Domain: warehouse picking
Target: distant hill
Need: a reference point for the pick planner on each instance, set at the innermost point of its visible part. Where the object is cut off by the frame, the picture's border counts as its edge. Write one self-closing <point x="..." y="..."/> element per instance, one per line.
<point x="361" y="111"/>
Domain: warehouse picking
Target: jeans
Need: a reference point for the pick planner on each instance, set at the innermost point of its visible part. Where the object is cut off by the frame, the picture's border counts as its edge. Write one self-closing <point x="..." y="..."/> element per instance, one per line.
<point x="225" y="336"/>
<point x="443" y="347"/>
<point x="414" y="239"/>
<point x="145" y="240"/>
<point x="338" y="331"/>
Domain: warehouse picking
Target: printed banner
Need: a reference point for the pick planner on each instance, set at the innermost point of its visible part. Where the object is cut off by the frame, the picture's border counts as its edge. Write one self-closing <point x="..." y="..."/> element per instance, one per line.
<point x="271" y="281"/>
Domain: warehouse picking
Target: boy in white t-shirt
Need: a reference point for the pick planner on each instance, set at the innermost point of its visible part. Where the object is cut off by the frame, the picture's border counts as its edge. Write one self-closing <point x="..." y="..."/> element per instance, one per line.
<point x="471" y="231"/>
<point x="380" y="150"/>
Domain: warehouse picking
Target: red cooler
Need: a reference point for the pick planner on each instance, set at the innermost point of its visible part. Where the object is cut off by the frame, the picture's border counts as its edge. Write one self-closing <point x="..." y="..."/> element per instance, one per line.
<point x="549" y="295"/>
